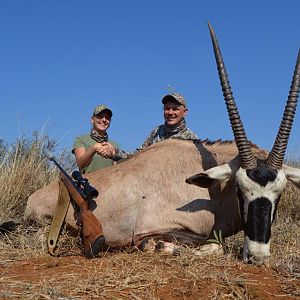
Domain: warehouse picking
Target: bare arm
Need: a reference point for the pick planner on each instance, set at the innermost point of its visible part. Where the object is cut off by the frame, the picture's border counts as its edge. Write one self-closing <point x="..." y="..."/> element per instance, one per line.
<point x="84" y="156"/>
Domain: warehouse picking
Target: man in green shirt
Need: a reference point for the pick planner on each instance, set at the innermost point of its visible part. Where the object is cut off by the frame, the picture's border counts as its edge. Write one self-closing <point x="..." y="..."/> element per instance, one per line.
<point x="92" y="152"/>
<point x="91" y="149"/>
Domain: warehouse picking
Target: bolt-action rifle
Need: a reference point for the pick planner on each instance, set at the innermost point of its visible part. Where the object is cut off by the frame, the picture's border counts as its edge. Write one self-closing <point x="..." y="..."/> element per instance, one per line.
<point x="80" y="193"/>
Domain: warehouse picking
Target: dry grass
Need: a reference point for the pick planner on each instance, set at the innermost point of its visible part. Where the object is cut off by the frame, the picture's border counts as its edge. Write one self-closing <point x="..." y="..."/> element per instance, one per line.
<point x="24" y="169"/>
<point x="134" y="275"/>
<point x="28" y="272"/>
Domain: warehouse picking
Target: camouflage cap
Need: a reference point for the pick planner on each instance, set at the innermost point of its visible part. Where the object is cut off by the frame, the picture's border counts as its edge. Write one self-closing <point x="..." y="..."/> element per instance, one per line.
<point x="99" y="108"/>
<point x="174" y="97"/>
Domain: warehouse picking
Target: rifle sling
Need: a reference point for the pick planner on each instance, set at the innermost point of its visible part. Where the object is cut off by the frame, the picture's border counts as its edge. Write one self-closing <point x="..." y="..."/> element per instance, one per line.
<point x="61" y="209"/>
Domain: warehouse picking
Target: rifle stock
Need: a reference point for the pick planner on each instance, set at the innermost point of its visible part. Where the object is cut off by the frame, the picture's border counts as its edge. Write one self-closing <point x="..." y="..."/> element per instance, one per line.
<point x="92" y="233"/>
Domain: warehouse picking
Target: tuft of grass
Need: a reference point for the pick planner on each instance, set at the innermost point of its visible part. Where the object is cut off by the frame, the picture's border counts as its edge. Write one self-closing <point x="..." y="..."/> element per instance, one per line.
<point x="24" y="169"/>
<point x="218" y="238"/>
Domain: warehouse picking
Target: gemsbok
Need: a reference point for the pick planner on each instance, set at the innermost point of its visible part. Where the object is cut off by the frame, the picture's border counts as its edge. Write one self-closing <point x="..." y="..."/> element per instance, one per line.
<point x="153" y="195"/>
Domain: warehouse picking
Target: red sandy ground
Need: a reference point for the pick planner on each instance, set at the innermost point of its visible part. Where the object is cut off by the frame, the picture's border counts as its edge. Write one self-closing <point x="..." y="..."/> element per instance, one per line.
<point x="42" y="278"/>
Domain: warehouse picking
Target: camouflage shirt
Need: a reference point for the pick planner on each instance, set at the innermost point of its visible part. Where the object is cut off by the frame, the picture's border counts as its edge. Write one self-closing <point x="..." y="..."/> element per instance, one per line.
<point x="164" y="132"/>
<point x="160" y="133"/>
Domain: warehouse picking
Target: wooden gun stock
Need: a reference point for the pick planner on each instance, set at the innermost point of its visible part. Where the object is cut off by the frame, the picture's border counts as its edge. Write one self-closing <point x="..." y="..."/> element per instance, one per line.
<point x="92" y="234"/>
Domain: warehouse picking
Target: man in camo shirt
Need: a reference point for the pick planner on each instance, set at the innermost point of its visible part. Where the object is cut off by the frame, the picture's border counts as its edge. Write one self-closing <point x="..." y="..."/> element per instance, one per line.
<point x="175" y="110"/>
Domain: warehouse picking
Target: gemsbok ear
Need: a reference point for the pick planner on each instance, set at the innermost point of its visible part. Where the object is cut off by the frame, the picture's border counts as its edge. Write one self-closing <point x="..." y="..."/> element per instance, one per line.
<point x="292" y="174"/>
<point x="211" y="176"/>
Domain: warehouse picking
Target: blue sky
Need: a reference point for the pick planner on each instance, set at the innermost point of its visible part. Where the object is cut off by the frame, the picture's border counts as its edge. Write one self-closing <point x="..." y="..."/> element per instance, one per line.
<point x="61" y="58"/>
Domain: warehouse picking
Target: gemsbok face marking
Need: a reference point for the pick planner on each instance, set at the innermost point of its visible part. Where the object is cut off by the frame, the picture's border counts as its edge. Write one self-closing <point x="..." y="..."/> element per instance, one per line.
<point x="259" y="182"/>
<point x="259" y="190"/>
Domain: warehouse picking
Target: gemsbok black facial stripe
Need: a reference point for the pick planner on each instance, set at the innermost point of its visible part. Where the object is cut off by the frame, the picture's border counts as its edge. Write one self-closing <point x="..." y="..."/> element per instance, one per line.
<point x="258" y="225"/>
<point x="262" y="174"/>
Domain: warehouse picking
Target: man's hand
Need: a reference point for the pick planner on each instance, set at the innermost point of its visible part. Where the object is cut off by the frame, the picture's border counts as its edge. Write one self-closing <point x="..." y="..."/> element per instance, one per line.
<point x="105" y="149"/>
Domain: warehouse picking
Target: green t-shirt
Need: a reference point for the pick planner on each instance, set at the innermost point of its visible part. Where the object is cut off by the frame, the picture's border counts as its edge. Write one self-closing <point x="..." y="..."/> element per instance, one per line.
<point x="97" y="162"/>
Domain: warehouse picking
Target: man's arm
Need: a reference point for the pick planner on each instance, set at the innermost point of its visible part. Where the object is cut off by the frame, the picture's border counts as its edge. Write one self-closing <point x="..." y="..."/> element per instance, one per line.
<point x="117" y="154"/>
<point x="150" y="139"/>
<point x="84" y="156"/>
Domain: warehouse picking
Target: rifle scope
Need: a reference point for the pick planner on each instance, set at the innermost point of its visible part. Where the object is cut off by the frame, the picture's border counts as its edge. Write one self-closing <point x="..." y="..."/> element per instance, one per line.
<point x="88" y="190"/>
